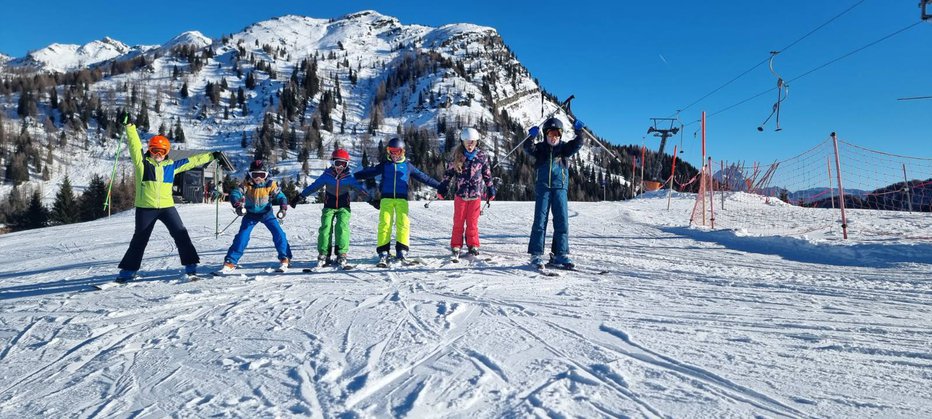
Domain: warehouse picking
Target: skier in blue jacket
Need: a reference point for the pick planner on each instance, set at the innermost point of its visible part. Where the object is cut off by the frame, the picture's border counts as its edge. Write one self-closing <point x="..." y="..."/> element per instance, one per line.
<point x="395" y="172"/>
<point x="551" y="162"/>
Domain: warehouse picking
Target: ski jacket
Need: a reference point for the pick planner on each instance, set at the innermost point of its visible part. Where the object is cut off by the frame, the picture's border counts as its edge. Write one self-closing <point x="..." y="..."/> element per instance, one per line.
<point x="258" y="198"/>
<point x="337" y="188"/>
<point x="154" y="179"/>
<point x="552" y="162"/>
<point x="475" y="176"/>
<point x="395" y="177"/>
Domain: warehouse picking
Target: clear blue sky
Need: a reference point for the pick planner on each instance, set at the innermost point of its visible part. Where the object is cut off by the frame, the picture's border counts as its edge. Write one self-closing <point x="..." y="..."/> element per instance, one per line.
<point x="625" y="61"/>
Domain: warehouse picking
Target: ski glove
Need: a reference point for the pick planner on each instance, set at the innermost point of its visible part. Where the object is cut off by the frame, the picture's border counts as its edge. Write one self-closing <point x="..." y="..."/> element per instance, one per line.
<point x="443" y="189"/>
<point x="491" y="193"/>
<point x="578" y="125"/>
<point x="240" y="211"/>
<point x="282" y="210"/>
<point x="123" y="118"/>
<point x="533" y="132"/>
<point x="217" y="155"/>
<point x="376" y="203"/>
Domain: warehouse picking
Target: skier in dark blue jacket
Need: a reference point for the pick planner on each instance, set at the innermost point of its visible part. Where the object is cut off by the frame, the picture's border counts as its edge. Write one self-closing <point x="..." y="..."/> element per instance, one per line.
<point x="551" y="162"/>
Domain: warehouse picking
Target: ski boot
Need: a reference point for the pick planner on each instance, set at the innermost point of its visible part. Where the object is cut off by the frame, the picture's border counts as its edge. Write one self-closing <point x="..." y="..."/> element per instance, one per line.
<point x="455" y="255"/>
<point x="473" y="251"/>
<point x="537" y="261"/>
<point x="323" y="260"/>
<point x="125" y="276"/>
<point x="343" y="263"/>
<point x="190" y="272"/>
<point x="228" y="268"/>
<point x="284" y="266"/>
<point x="402" y="256"/>
<point x="383" y="260"/>
<point x="562" y="262"/>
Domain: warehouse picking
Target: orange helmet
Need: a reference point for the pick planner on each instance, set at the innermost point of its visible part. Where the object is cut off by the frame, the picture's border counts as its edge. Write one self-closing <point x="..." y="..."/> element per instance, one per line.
<point x="159" y="143"/>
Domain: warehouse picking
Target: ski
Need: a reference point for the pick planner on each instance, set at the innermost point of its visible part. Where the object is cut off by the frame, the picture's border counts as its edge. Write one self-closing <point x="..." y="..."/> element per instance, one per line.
<point x="191" y="277"/>
<point x="116" y="283"/>
<point x="546" y="272"/>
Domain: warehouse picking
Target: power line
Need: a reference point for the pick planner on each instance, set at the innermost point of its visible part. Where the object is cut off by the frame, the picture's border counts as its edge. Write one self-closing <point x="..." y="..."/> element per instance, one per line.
<point x="768" y="58"/>
<point x="817" y="68"/>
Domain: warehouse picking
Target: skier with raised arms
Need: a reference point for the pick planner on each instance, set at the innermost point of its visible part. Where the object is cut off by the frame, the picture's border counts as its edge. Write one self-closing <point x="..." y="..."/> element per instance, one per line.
<point x="551" y="162"/>
<point x="154" y="175"/>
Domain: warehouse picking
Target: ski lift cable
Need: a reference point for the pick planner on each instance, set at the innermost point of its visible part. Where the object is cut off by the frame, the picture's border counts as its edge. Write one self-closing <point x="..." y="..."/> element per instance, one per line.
<point x="884" y="38"/>
<point x="817" y="28"/>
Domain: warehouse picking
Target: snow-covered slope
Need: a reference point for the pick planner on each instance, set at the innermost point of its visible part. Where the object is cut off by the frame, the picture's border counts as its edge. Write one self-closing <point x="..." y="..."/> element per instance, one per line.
<point x="190" y="38"/>
<point x="686" y="323"/>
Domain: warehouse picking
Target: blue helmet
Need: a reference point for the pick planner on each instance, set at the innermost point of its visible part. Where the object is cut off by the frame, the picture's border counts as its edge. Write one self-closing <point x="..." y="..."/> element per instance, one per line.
<point x="553" y="124"/>
<point x="396" y="143"/>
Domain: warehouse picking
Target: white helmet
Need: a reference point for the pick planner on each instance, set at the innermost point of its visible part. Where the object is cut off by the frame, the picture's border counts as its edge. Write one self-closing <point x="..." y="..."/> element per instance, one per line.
<point x="469" y="134"/>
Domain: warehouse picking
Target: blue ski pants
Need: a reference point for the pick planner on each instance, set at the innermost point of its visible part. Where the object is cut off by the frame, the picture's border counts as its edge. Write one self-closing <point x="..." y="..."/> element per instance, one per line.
<point x="145" y="222"/>
<point x="245" y="230"/>
<point x="550" y="200"/>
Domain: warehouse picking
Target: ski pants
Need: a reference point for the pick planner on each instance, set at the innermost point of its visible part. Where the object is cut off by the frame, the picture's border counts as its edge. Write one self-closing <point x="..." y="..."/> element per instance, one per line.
<point x="145" y="222"/>
<point x="334" y="223"/>
<point x="393" y="211"/>
<point x="245" y="230"/>
<point x="550" y="200"/>
<point x="466" y="212"/>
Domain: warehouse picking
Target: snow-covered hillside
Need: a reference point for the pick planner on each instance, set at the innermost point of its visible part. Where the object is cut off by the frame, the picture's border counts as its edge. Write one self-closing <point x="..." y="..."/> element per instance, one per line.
<point x="686" y="323"/>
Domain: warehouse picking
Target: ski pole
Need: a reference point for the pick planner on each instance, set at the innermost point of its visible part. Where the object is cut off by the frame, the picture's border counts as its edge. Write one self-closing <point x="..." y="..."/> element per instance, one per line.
<point x="116" y="159"/>
<point x="228" y="225"/>
<point x="429" y="200"/>
<point x="569" y="113"/>
<point x="565" y="106"/>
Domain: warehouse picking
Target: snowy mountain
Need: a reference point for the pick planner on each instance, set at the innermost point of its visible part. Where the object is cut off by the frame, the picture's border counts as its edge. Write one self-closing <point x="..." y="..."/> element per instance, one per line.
<point x="686" y="323"/>
<point x="190" y="38"/>
<point x="373" y="78"/>
<point x="4" y="58"/>
<point x="68" y="57"/>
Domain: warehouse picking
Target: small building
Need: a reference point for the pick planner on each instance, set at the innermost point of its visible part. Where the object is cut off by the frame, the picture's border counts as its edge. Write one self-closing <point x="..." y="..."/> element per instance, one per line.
<point x="189" y="186"/>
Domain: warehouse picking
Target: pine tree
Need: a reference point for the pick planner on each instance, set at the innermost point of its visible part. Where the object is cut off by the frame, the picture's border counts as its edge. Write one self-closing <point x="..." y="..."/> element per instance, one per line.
<point x="36" y="215"/>
<point x="65" y="209"/>
<point x="91" y="203"/>
<point x="179" y="133"/>
<point x="184" y="90"/>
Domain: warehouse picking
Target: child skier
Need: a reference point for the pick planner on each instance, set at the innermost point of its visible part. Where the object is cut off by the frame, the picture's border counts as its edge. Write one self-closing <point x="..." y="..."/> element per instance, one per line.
<point x="154" y="174"/>
<point x="551" y="159"/>
<point x="254" y="199"/>
<point x="470" y="173"/>
<point x="395" y="174"/>
<point x="335" y="217"/>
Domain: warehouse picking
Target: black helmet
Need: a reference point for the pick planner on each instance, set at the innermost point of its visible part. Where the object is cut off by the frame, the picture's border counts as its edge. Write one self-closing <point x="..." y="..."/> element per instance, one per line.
<point x="258" y="166"/>
<point x="396" y="143"/>
<point x="552" y="124"/>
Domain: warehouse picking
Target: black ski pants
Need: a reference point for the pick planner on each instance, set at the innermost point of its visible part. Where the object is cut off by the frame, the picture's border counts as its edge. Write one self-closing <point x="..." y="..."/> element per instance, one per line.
<point x="145" y="221"/>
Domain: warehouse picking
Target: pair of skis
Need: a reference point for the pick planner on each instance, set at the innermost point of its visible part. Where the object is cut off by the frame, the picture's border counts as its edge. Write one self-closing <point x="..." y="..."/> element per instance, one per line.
<point x="121" y="282"/>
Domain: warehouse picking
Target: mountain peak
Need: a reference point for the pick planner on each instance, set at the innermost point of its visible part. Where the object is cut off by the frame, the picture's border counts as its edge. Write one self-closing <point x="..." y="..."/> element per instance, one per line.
<point x="195" y="38"/>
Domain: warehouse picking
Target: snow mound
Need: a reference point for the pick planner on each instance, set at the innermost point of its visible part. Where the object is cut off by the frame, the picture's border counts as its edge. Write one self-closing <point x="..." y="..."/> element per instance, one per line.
<point x="67" y="57"/>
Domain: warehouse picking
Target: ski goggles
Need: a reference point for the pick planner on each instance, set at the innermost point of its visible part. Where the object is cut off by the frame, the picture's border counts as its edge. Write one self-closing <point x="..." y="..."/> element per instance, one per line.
<point x="158" y="152"/>
<point x="340" y="163"/>
<point x="259" y="174"/>
<point x="395" y="151"/>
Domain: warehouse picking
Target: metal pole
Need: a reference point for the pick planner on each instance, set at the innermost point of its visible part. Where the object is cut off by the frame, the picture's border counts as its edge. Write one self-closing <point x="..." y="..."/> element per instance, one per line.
<point x="841" y="189"/>
<point x="216" y="201"/>
<point x="704" y="167"/>
<point x="724" y="179"/>
<point x="643" y="155"/>
<point x="711" y="195"/>
<point x="831" y="189"/>
<point x="116" y="159"/>
<point x="633" y="176"/>
<point x="672" y="173"/>
<point x="909" y="199"/>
